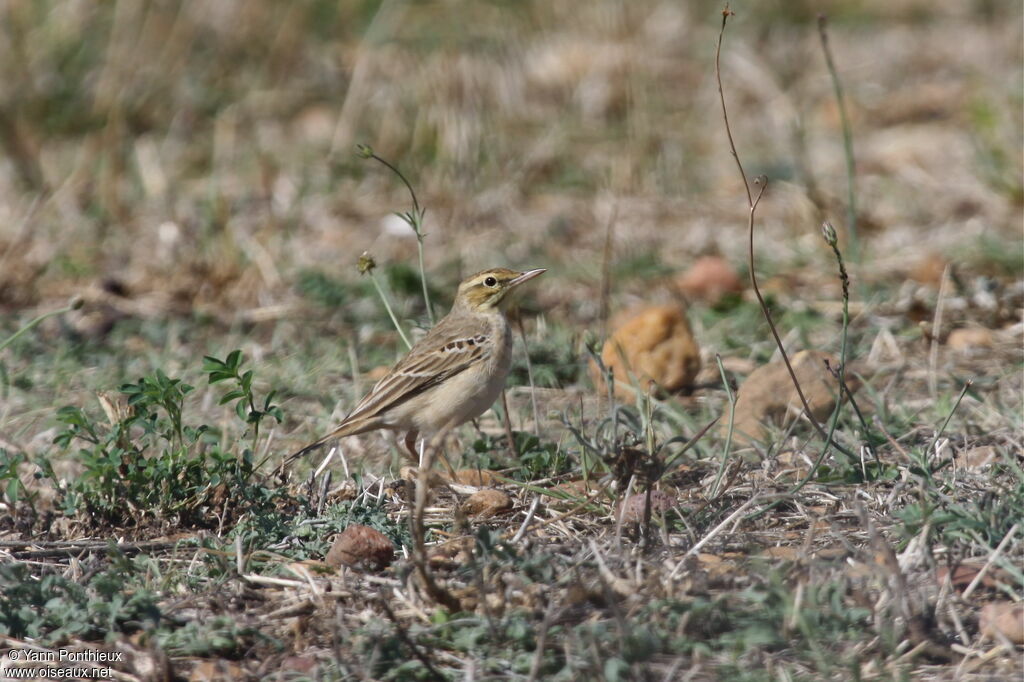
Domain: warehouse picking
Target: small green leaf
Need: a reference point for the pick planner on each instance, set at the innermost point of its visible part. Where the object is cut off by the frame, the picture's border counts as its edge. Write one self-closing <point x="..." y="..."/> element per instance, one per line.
<point x="231" y="395"/>
<point x="13" y="486"/>
<point x="211" y="364"/>
<point x="615" y="669"/>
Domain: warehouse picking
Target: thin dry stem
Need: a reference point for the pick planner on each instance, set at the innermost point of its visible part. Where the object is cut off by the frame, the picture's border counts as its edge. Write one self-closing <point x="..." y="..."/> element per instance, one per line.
<point x="752" y="202"/>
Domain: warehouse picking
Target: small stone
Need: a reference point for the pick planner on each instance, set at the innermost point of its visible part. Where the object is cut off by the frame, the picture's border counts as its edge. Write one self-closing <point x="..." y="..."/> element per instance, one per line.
<point x="208" y="671"/>
<point x="1003" y="618"/>
<point x="299" y="664"/>
<point x="452" y="553"/>
<point x="976" y="458"/>
<point x="435" y="479"/>
<point x="633" y="510"/>
<point x="710" y="279"/>
<point x="783" y="285"/>
<point x="928" y="270"/>
<point x="314" y="124"/>
<point x="344" y="492"/>
<point x="782" y="553"/>
<point x="361" y="547"/>
<point x="768" y="394"/>
<point x="487" y="503"/>
<point x="656" y="347"/>
<point x="970" y="338"/>
<point x="474" y="477"/>
<point x="571" y="493"/>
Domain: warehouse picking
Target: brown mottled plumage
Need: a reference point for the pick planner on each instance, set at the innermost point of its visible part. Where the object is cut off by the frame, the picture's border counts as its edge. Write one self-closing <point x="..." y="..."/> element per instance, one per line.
<point x="452" y="375"/>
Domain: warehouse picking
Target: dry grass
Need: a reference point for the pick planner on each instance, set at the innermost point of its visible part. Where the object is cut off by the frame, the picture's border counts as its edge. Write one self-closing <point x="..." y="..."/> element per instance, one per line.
<point x="187" y="169"/>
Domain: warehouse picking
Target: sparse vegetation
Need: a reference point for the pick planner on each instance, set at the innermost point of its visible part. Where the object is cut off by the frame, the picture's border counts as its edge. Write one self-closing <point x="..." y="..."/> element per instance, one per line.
<point x="189" y="178"/>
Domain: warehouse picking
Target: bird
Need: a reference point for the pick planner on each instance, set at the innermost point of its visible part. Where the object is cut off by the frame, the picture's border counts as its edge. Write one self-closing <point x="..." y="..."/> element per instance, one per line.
<point x="450" y="376"/>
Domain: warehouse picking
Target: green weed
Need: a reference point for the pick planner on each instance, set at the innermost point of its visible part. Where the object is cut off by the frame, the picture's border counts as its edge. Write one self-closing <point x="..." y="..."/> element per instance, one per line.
<point x="149" y="464"/>
<point x="52" y="609"/>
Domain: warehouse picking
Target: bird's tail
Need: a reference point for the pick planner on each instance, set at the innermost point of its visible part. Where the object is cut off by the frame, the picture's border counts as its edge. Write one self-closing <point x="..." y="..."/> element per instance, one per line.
<point x="346" y="429"/>
<point x="286" y="462"/>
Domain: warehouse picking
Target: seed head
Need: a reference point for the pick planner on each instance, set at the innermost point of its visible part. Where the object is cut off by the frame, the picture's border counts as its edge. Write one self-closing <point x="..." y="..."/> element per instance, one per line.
<point x="366" y="263"/>
<point x="829" y="233"/>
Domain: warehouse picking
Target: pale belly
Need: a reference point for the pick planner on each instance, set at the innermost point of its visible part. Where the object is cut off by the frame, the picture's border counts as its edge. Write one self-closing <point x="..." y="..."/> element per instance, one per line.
<point x="466" y="395"/>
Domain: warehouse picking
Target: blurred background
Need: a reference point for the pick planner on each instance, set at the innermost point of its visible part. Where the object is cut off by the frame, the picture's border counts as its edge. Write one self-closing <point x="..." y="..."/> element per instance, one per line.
<point x="188" y="168"/>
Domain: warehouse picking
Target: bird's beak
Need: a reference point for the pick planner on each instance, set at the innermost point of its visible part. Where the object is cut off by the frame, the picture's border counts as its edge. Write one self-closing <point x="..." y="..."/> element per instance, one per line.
<point x="529" y="274"/>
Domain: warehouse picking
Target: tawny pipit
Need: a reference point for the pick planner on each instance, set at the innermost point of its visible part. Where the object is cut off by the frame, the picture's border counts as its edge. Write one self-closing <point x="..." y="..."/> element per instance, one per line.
<point x="452" y="375"/>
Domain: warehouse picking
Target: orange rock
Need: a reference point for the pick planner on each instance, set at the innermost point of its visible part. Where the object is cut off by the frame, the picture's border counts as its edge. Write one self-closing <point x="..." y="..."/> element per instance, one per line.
<point x="929" y="269"/>
<point x="361" y="547"/>
<point x="487" y="503"/>
<point x="969" y="338"/>
<point x="710" y="279"/>
<point x="768" y="393"/>
<point x="654" y="346"/>
<point x="1004" y="619"/>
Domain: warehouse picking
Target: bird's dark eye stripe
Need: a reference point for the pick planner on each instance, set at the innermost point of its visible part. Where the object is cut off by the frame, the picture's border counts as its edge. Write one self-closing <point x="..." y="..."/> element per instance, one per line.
<point x="490" y="281"/>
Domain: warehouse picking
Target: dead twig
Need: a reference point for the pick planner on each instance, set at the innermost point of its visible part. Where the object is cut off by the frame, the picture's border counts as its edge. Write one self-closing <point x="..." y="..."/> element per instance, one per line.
<point x="752" y="202"/>
<point x="542" y="637"/>
<point x="933" y="350"/>
<point x="993" y="557"/>
<point x="844" y="119"/>
<point x="77" y="548"/>
<point x="714" y="532"/>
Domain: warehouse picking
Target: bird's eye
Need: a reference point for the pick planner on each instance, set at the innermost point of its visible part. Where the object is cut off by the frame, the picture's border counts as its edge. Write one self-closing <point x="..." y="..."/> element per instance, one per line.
<point x="490" y="281"/>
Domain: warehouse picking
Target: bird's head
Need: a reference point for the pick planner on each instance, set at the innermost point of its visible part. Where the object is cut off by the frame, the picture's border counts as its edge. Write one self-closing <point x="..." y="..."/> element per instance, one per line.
<point x="486" y="290"/>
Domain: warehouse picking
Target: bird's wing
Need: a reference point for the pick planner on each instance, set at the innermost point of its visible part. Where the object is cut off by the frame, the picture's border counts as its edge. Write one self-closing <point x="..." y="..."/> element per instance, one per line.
<point x="427" y="365"/>
<point x="420" y="371"/>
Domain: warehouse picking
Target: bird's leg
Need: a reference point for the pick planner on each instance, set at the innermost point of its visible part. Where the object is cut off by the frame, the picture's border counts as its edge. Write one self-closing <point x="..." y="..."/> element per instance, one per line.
<point x="410" y="445"/>
<point x="438" y="451"/>
<point x="417" y="454"/>
<point x="444" y="458"/>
